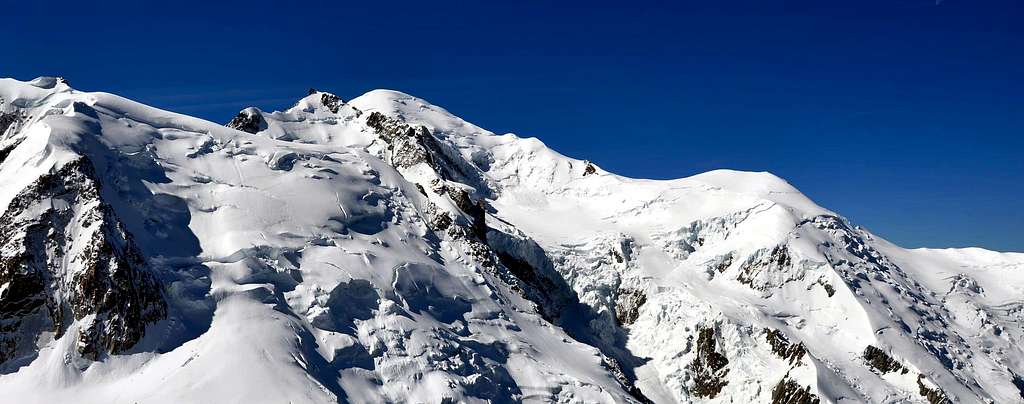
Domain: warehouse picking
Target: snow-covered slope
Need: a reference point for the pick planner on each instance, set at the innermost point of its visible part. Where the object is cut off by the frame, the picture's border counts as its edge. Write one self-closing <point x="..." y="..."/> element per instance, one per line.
<point x="384" y="250"/>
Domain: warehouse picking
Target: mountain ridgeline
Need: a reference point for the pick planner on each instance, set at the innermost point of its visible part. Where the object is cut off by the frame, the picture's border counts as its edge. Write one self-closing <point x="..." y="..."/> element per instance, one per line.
<point x="383" y="250"/>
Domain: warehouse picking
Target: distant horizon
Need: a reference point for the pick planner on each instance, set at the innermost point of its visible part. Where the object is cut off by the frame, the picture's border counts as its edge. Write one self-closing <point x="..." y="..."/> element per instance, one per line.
<point x="905" y="117"/>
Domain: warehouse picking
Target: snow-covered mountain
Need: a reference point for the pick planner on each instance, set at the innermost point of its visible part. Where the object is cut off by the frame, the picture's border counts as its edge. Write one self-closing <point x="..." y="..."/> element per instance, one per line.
<point x="384" y="250"/>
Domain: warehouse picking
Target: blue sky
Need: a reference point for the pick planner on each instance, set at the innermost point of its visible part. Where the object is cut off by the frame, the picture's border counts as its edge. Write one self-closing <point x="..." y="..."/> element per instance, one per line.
<point x="905" y="116"/>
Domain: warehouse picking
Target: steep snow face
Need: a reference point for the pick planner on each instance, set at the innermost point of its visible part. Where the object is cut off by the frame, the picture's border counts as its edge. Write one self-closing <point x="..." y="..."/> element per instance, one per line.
<point x="384" y="250"/>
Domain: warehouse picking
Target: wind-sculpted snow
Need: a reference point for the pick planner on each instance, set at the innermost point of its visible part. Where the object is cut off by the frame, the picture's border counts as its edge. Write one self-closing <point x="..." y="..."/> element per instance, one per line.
<point x="384" y="250"/>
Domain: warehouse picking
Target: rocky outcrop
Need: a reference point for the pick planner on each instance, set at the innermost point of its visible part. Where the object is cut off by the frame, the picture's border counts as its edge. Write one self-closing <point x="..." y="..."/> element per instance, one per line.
<point x="6" y="120"/>
<point x="250" y="120"/>
<point x="932" y="394"/>
<point x="407" y="145"/>
<point x="475" y="211"/>
<point x="627" y="305"/>
<point x="788" y="391"/>
<point x="785" y="349"/>
<point x="68" y="264"/>
<point x="776" y="260"/>
<point x="330" y="101"/>
<point x="879" y="360"/>
<point x="708" y="367"/>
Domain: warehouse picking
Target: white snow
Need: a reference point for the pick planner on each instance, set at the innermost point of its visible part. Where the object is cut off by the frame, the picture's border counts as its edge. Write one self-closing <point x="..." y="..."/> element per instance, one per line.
<point x="325" y="282"/>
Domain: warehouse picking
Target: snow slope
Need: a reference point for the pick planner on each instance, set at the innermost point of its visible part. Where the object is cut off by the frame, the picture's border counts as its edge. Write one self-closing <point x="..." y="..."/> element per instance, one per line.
<point x="384" y="250"/>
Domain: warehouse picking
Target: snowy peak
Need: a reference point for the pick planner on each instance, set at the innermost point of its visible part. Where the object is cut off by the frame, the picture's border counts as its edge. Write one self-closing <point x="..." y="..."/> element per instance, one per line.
<point x="318" y="101"/>
<point x="385" y="250"/>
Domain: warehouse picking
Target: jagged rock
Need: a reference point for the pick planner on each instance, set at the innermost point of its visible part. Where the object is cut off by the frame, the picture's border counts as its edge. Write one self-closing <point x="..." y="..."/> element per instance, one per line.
<point x="777" y="259"/>
<point x="405" y="143"/>
<point x="789" y="392"/>
<point x="724" y="264"/>
<point x="933" y="395"/>
<point x="589" y="170"/>
<point x="50" y="286"/>
<point x="615" y="368"/>
<point x="408" y="146"/>
<point x="475" y="210"/>
<point x="881" y="361"/>
<point x="708" y="367"/>
<point x="331" y="102"/>
<point x="249" y="120"/>
<point x="441" y="221"/>
<point x="783" y="347"/>
<point x="539" y="289"/>
<point x="627" y="305"/>
<point x="6" y="120"/>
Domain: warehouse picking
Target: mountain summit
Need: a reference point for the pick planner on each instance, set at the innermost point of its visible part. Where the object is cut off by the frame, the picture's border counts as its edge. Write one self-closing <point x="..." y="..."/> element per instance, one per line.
<point x="384" y="250"/>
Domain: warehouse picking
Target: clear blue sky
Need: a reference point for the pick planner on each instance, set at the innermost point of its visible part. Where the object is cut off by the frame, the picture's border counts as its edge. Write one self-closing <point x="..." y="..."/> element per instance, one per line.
<point x="905" y="116"/>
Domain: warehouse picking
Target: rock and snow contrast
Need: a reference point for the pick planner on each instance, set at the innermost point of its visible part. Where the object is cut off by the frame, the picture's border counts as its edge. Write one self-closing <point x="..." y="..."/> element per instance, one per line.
<point x="384" y="250"/>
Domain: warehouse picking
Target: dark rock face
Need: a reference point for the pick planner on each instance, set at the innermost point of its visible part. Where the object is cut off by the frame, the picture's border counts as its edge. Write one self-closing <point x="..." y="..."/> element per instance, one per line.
<point x="475" y="210"/>
<point x="724" y="264"/>
<point x="778" y="259"/>
<point x="789" y="392"/>
<point x="709" y="367"/>
<point x="784" y="348"/>
<point x="881" y="361"/>
<point x="408" y="146"/>
<point x="934" y="396"/>
<point x="589" y="170"/>
<point x="627" y="305"/>
<point x="6" y="120"/>
<point x="625" y="380"/>
<point x="549" y="297"/>
<point x="249" y="121"/>
<point x="331" y="102"/>
<point x="64" y="256"/>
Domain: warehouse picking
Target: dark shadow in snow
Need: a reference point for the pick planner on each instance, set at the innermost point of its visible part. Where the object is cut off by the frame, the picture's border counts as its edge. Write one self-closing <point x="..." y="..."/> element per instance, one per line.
<point x="366" y="215"/>
<point x="317" y="367"/>
<point x="348" y="302"/>
<point x="426" y="288"/>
